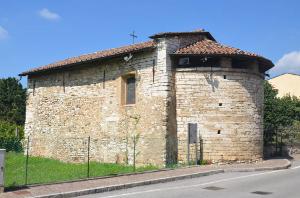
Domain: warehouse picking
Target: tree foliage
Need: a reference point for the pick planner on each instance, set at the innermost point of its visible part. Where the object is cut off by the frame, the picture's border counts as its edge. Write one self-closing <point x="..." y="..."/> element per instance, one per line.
<point x="279" y="113"/>
<point x="12" y="101"/>
<point x="12" y="114"/>
<point x="11" y="136"/>
<point x="270" y="106"/>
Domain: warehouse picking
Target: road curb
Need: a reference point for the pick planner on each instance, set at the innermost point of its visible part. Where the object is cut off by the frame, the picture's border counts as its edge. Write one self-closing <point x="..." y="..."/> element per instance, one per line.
<point x="285" y="166"/>
<point x="128" y="185"/>
<point x="95" y="190"/>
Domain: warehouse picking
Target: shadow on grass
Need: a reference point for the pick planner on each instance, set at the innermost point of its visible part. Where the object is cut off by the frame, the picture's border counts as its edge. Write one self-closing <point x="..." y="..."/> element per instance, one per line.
<point x="15" y="188"/>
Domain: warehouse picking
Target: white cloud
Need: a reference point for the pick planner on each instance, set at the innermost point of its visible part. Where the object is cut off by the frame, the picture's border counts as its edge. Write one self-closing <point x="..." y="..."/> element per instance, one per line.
<point x="47" y="14"/>
<point x="3" y="33"/>
<point x="288" y="63"/>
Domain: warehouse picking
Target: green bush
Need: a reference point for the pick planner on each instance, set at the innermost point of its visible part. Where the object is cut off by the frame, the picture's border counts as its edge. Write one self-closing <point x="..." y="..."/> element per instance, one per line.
<point x="296" y="127"/>
<point x="279" y="113"/>
<point x="205" y="162"/>
<point x="8" y="138"/>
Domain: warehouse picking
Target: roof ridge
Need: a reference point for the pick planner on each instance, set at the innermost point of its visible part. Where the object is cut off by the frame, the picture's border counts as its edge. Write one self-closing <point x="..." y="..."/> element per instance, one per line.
<point x="195" y="32"/>
<point x="131" y="45"/>
<point x="113" y="48"/>
<point x="191" y="44"/>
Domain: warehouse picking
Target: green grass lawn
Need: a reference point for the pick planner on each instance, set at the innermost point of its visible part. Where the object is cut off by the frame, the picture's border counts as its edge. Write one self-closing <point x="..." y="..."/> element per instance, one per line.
<point x="44" y="170"/>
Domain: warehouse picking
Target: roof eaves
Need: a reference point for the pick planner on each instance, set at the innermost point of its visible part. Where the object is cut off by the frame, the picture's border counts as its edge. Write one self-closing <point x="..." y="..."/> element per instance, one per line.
<point x="269" y="63"/>
<point x="37" y="70"/>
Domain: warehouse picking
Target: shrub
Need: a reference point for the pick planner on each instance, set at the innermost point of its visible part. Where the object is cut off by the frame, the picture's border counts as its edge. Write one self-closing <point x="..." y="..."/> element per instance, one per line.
<point x="279" y="113"/>
<point x="296" y="130"/>
<point x="9" y="140"/>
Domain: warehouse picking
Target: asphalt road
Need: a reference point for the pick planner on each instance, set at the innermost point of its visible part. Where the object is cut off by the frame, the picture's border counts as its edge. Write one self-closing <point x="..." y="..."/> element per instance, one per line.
<point x="278" y="184"/>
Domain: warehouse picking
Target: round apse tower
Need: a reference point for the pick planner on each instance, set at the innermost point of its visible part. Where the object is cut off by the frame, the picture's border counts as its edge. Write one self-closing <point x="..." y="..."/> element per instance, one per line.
<point x="220" y="90"/>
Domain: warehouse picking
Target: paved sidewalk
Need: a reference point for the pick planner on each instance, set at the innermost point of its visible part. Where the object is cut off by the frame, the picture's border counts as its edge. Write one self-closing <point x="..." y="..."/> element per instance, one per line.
<point x="272" y="164"/>
<point x="71" y="189"/>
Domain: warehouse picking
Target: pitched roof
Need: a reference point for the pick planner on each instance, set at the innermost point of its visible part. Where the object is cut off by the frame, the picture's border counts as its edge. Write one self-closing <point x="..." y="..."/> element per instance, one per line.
<point x="114" y="52"/>
<point x="209" y="47"/>
<point x="196" y="32"/>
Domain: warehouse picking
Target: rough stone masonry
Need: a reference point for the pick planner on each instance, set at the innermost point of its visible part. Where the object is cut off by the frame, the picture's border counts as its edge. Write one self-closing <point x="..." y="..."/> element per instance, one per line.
<point x="150" y="91"/>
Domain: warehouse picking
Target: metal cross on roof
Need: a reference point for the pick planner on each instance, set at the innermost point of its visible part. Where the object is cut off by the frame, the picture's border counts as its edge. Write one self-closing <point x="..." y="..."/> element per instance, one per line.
<point x="133" y="36"/>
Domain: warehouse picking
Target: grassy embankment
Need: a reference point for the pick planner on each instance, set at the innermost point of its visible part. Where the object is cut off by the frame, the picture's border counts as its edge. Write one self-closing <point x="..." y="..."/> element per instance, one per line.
<point x="44" y="170"/>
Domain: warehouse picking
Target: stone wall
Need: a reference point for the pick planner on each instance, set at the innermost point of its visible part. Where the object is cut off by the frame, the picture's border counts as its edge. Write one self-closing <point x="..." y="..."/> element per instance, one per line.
<point x="65" y="107"/>
<point x="225" y="101"/>
<point x="165" y="47"/>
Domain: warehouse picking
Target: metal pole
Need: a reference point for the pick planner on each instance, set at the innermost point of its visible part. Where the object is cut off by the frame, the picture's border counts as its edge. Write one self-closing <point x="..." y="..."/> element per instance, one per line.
<point x="26" y="165"/>
<point x="134" y="153"/>
<point x="88" y="164"/>
<point x="188" y="148"/>
<point x="196" y="153"/>
<point x="2" y="169"/>
<point x="276" y="150"/>
<point x="197" y="147"/>
<point x="201" y="150"/>
<point x="281" y="144"/>
<point x="188" y="145"/>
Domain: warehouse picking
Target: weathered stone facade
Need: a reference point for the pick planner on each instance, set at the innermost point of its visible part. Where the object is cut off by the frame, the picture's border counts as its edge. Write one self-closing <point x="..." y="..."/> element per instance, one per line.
<point x="67" y="105"/>
<point x="87" y="106"/>
<point x="228" y="112"/>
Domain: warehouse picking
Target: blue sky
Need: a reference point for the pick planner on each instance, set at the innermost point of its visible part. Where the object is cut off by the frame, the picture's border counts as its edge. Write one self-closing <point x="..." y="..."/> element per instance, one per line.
<point x="34" y="33"/>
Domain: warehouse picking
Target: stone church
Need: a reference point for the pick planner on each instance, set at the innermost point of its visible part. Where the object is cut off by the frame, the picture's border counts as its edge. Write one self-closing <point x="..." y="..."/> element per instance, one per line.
<point x="174" y="91"/>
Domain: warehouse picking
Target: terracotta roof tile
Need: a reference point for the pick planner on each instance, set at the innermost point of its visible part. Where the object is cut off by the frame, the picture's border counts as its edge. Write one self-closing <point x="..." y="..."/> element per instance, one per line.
<point x="204" y="47"/>
<point x="209" y="47"/>
<point x="94" y="56"/>
<point x="196" y="32"/>
<point x="213" y="48"/>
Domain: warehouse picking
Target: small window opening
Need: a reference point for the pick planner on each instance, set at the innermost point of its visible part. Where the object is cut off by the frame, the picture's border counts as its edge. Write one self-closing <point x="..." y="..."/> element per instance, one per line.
<point x="33" y="88"/>
<point x="225" y="77"/>
<point x="130" y="90"/>
<point x="103" y="83"/>
<point x="220" y="104"/>
<point x="219" y="131"/>
<point x="184" y="61"/>
<point x="240" y="63"/>
<point x="64" y="83"/>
